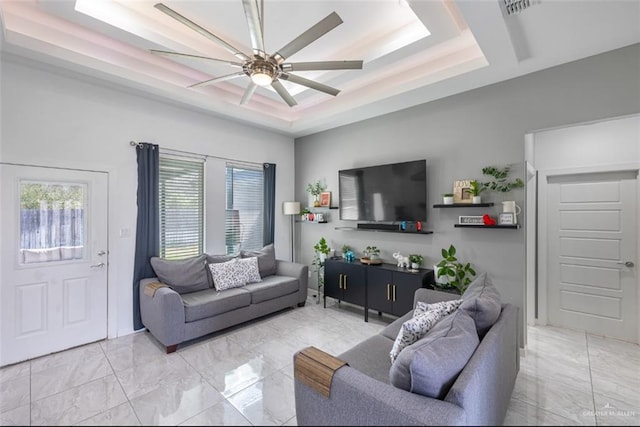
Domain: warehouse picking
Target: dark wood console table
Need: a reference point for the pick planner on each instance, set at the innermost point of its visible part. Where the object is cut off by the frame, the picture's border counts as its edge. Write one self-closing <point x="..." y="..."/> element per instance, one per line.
<point x="383" y="287"/>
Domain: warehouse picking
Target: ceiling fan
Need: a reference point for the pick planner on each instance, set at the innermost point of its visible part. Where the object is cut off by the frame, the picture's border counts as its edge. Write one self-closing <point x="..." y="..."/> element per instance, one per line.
<point x="264" y="69"/>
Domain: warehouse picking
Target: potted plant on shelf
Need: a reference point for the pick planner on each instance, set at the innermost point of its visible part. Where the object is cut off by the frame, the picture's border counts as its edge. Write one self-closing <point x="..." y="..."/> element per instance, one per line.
<point x="476" y="188"/>
<point x="321" y="249"/>
<point x="450" y="273"/>
<point x="447" y="198"/>
<point x="315" y="189"/>
<point x="416" y="261"/>
<point x="371" y="254"/>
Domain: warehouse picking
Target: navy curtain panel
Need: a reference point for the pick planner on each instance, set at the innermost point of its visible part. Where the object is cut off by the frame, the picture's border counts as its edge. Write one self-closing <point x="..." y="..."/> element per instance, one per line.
<point x="269" y="180"/>
<point x="148" y="225"/>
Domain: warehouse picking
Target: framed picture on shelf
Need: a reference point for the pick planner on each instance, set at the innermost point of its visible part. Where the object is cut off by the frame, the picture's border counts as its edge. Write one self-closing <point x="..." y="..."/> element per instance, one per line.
<point x="462" y="191"/>
<point x="325" y="199"/>
<point x="506" y="218"/>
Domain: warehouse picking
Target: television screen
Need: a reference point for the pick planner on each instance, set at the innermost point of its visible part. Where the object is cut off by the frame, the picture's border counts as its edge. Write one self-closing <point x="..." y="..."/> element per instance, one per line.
<point x="392" y="192"/>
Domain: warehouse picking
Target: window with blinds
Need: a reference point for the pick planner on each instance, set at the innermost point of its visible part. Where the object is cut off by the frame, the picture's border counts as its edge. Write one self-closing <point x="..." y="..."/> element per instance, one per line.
<point x="244" y="213"/>
<point x="181" y="198"/>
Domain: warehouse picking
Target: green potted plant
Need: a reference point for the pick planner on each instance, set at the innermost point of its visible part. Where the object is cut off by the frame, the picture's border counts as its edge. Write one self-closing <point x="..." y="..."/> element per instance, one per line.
<point x="315" y="189"/>
<point x="450" y="273"/>
<point x="321" y="249"/>
<point x="416" y="261"/>
<point x="447" y="198"/>
<point x="371" y="253"/>
<point x="500" y="182"/>
<point x="476" y="188"/>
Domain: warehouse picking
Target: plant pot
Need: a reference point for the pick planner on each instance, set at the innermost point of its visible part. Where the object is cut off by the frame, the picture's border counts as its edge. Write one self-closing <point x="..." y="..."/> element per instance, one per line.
<point x="373" y="257"/>
<point x="447" y="200"/>
<point x="476" y="200"/>
<point x="442" y="279"/>
<point x="322" y="257"/>
<point x="415" y="266"/>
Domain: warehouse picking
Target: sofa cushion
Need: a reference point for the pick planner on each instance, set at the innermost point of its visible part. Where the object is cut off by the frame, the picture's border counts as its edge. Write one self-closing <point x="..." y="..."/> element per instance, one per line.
<point x="482" y="302"/>
<point x="183" y="276"/>
<point x="371" y="357"/>
<point x="272" y="287"/>
<point x="228" y="275"/>
<point x="208" y="303"/>
<point x="266" y="259"/>
<point x="430" y="366"/>
<point x="424" y="318"/>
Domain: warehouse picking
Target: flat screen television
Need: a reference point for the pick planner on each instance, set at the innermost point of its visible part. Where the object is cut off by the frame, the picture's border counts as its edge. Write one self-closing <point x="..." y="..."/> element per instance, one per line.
<point x="391" y="192"/>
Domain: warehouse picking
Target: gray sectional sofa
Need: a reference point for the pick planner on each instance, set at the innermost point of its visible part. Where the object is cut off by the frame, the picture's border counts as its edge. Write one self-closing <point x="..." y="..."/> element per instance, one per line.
<point x="369" y="390"/>
<point x="183" y="303"/>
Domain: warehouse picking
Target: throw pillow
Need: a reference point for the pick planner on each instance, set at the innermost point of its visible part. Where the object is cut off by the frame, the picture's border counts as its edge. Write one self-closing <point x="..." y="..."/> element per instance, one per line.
<point x="183" y="276"/>
<point x="482" y="302"/>
<point x="430" y="366"/>
<point x="416" y="327"/>
<point x="448" y="306"/>
<point x="227" y="275"/>
<point x="250" y="270"/>
<point x="266" y="259"/>
<point x="215" y="259"/>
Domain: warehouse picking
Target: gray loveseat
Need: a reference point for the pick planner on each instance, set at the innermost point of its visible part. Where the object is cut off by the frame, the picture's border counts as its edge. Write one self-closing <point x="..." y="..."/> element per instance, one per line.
<point x="361" y="392"/>
<point x="182" y="303"/>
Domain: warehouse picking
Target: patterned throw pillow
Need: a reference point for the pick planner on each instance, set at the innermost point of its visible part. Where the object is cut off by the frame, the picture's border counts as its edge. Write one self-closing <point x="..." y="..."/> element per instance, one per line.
<point x="250" y="269"/>
<point x="418" y="326"/>
<point x="227" y="275"/>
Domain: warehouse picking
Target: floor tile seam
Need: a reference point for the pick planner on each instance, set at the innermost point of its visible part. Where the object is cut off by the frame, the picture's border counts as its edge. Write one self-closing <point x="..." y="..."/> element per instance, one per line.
<point x="539" y="408"/>
<point x="121" y="387"/>
<point x="593" y="395"/>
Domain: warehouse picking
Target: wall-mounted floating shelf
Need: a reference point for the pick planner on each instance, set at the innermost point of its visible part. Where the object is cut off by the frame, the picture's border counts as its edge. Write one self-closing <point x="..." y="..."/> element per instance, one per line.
<point x="464" y="205"/>
<point x="383" y="231"/>
<point x="513" y="227"/>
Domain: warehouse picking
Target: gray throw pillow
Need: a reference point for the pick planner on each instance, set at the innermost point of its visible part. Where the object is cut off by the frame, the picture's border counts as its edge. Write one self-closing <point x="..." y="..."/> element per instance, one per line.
<point x="430" y="366"/>
<point x="482" y="302"/>
<point x="266" y="259"/>
<point x="184" y="275"/>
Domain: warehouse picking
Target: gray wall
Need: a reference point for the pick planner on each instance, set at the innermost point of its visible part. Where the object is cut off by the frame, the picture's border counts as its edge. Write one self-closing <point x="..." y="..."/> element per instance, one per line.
<point x="458" y="136"/>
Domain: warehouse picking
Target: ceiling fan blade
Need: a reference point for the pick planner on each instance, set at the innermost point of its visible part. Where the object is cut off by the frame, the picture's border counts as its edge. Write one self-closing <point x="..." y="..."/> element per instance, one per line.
<point x="283" y="93"/>
<point x="248" y="93"/>
<point x="308" y="37"/>
<point x="219" y="79"/>
<point x="185" y="55"/>
<point x="252" y="12"/>
<point x="322" y="65"/>
<point x="175" y="15"/>
<point x="310" y="84"/>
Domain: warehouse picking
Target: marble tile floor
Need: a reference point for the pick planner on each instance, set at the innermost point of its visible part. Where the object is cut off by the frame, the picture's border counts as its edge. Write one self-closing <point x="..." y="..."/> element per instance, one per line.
<point x="244" y="376"/>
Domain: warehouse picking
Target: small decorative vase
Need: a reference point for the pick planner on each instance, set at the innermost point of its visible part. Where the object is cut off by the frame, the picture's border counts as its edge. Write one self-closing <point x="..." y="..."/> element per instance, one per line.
<point x="415" y="266"/>
<point x="447" y="200"/>
<point x="316" y="202"/>
<point x="476" y="200"/>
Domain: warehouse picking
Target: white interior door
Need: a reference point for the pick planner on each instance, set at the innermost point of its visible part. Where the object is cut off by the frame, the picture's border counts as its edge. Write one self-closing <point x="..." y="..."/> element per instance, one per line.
<point x="592" y="253"/>
<point x="53" y="255"/>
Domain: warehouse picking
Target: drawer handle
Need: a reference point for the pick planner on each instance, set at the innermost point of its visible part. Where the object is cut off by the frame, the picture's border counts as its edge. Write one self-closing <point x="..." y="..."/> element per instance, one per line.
<point x="345" y="282"/>
<point x="394" y="293"/>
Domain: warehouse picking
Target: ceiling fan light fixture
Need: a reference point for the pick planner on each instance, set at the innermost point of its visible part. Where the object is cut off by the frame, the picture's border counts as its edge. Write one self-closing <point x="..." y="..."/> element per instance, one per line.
<point x="261" y="78"/>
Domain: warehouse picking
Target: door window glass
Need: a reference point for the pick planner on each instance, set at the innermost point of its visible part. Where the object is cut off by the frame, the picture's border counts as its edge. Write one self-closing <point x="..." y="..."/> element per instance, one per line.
<point x="52" y="221"/>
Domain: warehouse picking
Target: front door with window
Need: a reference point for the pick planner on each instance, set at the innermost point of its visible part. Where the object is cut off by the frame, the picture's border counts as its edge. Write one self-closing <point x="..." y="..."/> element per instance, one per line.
<point x="53" y="253"/>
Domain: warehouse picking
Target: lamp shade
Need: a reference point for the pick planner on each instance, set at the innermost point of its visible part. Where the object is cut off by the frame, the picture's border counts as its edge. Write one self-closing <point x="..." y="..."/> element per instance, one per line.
<point x="291" y="208"/>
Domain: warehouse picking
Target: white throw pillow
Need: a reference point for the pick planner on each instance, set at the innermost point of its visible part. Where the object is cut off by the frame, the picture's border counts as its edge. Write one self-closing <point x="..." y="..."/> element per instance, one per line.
<point x="250" y="269"/>
<point x="227" y="275"/>
<point x="421" y="323"/>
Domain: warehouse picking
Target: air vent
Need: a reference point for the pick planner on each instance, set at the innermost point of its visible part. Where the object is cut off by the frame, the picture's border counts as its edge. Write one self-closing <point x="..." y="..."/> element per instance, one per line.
<point x="516" y="6"/>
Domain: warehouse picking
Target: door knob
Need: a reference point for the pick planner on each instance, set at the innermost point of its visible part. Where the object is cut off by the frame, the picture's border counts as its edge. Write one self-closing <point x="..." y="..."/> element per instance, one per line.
<point x="101" y="253"/>
<point x="99" y="265"/>
<point x="626" y="263"/>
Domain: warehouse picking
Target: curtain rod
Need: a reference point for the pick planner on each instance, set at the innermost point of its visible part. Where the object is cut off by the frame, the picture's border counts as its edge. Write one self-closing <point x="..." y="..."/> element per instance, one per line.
<point x="198" y="155"/>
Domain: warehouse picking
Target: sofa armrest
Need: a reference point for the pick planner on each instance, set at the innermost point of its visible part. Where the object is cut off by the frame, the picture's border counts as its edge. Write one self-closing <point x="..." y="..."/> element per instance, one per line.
<point x="431" y="296"/>
<point x="297" y="270"/>
<point x="357" y="399"/>
<point x="163" y="313"/>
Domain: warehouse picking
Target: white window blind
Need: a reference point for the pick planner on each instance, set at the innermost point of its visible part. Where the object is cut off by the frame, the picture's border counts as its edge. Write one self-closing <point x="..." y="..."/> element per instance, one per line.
<point x="244" y="214"/>
<point x="181" y="198"/>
